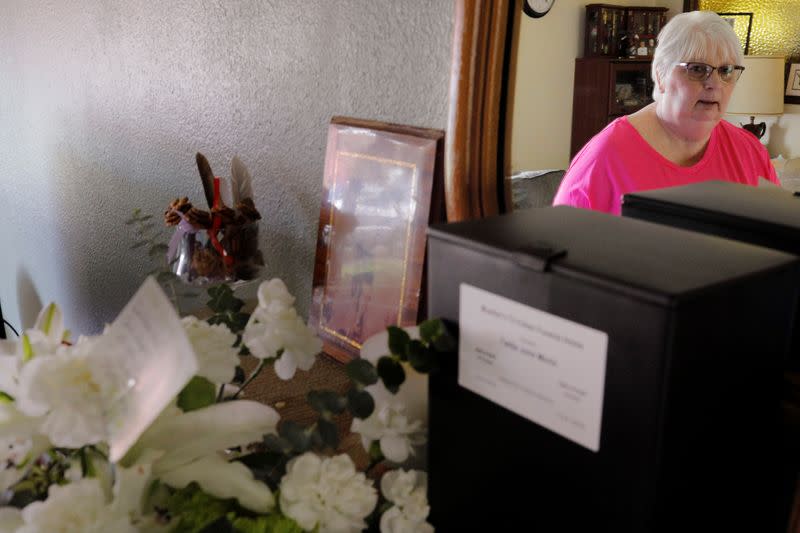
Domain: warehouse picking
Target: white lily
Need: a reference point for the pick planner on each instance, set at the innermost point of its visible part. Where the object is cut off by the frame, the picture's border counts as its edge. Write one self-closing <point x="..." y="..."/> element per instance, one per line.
<point x="10" y="519"/>
<point x="223" y="479"/>
<point x="191" y="441"/>
<point x="46" y="335"/>
<point x="85" y="505"/>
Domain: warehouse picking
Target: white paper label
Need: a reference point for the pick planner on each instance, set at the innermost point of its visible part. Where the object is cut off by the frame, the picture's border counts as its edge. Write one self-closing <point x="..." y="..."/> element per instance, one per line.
<point x="543" y="367"/>
<point x="150" y="345"/>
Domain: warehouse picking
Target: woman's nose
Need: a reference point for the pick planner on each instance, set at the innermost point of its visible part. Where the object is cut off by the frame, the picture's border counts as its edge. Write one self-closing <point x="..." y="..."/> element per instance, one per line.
<point x="714" y="80"/>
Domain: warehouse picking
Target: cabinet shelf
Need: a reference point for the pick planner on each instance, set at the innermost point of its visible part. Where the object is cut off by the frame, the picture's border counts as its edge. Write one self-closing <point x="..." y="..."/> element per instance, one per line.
<point x="605" y="89"/>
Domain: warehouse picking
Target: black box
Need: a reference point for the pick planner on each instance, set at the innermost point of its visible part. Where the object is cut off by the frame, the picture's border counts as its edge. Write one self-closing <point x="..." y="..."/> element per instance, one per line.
<point x="767" y="216"/>
<point x="696" y="326"/>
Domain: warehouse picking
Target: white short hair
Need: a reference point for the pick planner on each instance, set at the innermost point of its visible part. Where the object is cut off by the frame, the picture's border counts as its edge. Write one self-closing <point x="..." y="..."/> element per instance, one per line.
<point x="693" y="36"/>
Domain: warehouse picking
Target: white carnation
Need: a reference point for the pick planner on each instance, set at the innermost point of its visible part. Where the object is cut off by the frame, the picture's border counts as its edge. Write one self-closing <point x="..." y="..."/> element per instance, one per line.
<point x="276" y="327"/>
<point x="326" y="493"/>
<point x="213" y="345"/>
<point x="389" y="425"/>
<point x="407" y="490"/>
<point x="79" y="507"/>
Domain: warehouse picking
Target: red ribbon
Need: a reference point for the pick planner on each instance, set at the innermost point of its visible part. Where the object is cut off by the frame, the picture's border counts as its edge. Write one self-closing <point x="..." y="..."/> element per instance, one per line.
<point x="216" y="224"/>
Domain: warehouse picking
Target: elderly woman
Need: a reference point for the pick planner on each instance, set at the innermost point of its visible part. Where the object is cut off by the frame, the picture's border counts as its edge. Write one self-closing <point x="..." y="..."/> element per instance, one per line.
<point x="680" y="138"/>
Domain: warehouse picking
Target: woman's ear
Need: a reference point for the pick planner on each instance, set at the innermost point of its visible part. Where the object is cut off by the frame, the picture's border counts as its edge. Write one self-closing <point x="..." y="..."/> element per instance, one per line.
<point x="659" y="82"/>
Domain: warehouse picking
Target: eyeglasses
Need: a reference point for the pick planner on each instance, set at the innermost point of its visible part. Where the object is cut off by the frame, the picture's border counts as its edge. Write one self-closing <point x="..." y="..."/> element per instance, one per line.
<point x="701" y="71"/>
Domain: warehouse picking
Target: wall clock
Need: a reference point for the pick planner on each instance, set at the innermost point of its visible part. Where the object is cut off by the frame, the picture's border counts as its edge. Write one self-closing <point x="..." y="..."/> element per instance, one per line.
<point x="537" y="8"/>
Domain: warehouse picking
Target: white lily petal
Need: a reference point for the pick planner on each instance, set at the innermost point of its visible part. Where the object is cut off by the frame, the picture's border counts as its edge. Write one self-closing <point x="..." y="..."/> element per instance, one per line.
<point x="189" y="436"/>
<point x="223" y="479"/>
<point x="14" y="423"/>
<point x="130" y="485"/>
<point x="8" y="372"/>
<point x="10" y="519"/>
<point x="286" y="366"/>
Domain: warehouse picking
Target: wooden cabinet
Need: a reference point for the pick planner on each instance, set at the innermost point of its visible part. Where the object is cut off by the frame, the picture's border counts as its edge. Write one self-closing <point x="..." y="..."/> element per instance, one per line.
<point x="622" y="31"/>
<point x="606" y="88"/>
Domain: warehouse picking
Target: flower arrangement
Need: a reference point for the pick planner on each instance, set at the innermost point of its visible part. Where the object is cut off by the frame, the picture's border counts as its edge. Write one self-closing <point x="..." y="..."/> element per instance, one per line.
<point x="211" y="460"/>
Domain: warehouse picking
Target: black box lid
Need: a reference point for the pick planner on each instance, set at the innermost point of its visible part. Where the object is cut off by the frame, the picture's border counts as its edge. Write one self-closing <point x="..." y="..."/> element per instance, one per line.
<point x="642" y="259"/>
<point x="771" y="211"/>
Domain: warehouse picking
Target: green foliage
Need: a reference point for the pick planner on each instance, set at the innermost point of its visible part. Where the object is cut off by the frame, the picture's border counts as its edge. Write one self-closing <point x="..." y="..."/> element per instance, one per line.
<point x="296" y="435"/>
<point x="277" y="444"/>
<point x="194" y="510"/>
<point x="222" y="299"/>
<point x="420" y="357"/>
<point x="267" y="466"/>
<point x="398" y="342"/>
<point x="5" y="398"/>
<point x="227" y="308"/>
<point x="47" y="470"/>
<point x="328" y="433"/>
<point x="274" y="523"/>
<point x="198" y="393"/>
<point x="391" y="373"/>
<point x="326" y="402"/>
<point x="146" y="234"/>
<point x="360" y="403"/>
<point x="434" y="333"/>
<point x="362" y="372"/>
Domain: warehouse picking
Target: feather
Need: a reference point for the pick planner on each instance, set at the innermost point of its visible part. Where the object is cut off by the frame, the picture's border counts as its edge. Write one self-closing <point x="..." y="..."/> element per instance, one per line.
<point x="242" y="186"/>
<point x="207" y="177"/>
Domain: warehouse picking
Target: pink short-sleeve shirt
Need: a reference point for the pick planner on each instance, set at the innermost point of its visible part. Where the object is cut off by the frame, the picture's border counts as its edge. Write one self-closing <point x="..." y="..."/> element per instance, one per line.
<point x="618" y="160"/>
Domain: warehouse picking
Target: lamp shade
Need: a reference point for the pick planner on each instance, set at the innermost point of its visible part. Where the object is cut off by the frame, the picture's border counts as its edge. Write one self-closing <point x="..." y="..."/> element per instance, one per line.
<point x="760" y="89"/>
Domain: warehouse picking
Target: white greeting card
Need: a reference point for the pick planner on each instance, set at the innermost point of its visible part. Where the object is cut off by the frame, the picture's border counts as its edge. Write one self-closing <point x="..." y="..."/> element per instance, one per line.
<point x="543" y="367"/>
<point x="154" y="354"/>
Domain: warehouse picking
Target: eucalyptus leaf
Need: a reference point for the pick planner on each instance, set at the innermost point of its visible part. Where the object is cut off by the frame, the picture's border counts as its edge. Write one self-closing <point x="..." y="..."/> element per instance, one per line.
<point x="268" y="466"/>
<point x="398" y="342"/>
<point x="329" y="433"/>
<point x="430" y="330"/>
<point x="277" y="444"/>
<point x="326" y="401"/>
<point x="420" y="357"/>
<point x="391" y="373"/>
<point x="362" y="372"/>
<point x="360" y="403"/>
<point x="198" y="393"/>
<point x="157" y="249"/>
<point x="296" y="435"/>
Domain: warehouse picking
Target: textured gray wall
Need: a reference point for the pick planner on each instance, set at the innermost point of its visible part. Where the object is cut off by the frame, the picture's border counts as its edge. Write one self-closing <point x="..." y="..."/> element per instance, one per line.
<point x="103" y="105"/>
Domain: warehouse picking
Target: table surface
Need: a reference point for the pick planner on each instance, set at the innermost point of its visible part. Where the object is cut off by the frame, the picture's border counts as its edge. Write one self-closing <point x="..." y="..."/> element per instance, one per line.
<point x="288" y="398"/>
